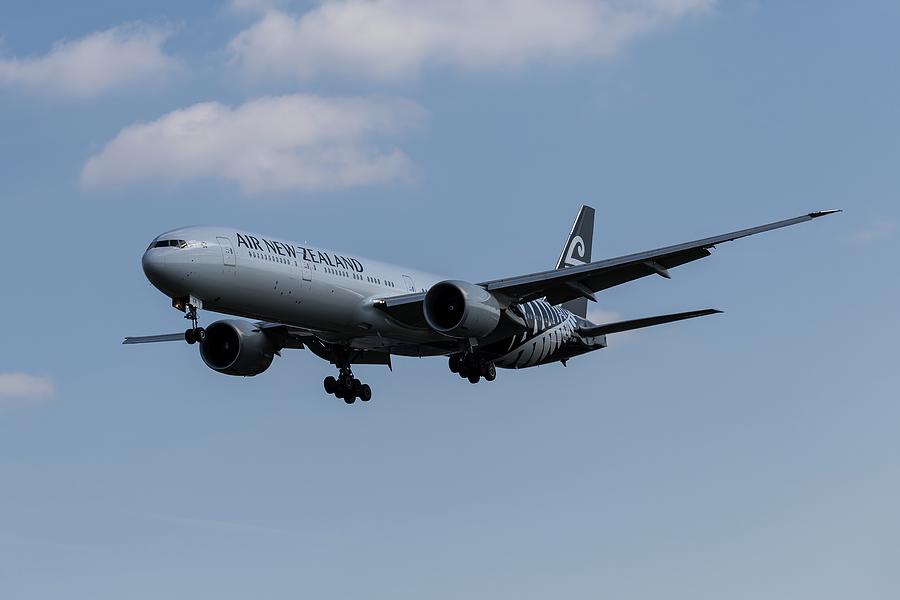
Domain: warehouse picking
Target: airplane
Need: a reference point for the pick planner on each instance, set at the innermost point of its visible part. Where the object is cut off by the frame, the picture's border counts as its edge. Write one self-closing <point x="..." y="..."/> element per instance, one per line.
<point x="351" y="310"/>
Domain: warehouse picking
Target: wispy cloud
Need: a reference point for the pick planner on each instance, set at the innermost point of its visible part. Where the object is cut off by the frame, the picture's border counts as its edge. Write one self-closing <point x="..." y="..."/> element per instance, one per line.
<point x="877" y="231"/>
<point x="97" y="63"/>
<point x="17" y="389"/>
<point x="396" y="39"/>
<point x="294" y="142"/>
<point x="253" y="5"/>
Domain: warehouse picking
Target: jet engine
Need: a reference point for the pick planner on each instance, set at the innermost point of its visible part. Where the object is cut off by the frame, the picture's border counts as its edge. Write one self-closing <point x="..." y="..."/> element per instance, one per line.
<point x="236" y="348"/>
<point x="461" y="310"/>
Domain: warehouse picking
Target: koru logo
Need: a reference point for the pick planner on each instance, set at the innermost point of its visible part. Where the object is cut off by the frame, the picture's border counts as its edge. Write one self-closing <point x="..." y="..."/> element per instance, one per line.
<point x="576" y="246"/>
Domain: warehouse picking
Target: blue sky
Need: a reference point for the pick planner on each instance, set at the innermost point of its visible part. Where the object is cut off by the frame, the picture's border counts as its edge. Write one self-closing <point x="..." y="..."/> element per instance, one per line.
<point x="752" y="454"/>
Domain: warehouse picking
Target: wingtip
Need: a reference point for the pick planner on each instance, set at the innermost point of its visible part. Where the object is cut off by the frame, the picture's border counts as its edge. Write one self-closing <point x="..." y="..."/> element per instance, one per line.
<point x="822" y="213"/>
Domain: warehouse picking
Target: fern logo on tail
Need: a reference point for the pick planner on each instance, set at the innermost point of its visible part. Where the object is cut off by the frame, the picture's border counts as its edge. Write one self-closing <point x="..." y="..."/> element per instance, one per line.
<point x="576" y="246"/>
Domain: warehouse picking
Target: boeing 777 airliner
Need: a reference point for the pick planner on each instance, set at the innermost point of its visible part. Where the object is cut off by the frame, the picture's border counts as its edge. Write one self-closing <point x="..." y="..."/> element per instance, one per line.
<point x="351" y="310"/>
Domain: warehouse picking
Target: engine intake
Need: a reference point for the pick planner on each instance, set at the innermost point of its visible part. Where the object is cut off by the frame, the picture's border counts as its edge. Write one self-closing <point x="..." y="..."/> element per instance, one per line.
<point x="460" y="309"/>
<point x="236" y="348"/>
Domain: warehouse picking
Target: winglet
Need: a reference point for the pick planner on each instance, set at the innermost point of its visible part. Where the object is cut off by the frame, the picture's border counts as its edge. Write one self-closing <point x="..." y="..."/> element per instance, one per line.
<point x="823" y="213"/>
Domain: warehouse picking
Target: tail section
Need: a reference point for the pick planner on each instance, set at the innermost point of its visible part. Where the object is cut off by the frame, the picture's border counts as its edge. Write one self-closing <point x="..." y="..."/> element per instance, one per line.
<point x="577" y="251"/>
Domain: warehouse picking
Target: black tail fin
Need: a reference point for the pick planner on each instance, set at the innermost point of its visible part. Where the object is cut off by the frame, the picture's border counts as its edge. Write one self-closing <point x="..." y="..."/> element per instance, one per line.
<point x="577" y="251"/>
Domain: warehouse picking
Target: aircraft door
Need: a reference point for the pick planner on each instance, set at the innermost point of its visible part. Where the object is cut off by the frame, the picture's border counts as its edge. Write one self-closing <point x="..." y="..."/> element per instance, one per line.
<point x="227" y="251"/>
<point x="306" y="271"/>
<point x="408" y="282"/>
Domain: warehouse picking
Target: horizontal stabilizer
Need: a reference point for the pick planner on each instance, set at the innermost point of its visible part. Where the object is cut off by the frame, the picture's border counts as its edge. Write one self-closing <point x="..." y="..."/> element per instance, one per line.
<point x="646" y="322"/>
<point x="149" y="339"/>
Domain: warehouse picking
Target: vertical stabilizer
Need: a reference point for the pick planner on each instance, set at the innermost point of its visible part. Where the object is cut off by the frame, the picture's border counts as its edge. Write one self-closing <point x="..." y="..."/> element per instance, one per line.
<point x="577" y="251"/>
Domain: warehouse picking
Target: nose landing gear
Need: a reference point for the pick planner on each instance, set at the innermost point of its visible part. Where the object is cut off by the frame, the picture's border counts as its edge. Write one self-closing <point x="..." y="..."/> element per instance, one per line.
<point x="473" y="367"/>
<point x="196" y="333"/>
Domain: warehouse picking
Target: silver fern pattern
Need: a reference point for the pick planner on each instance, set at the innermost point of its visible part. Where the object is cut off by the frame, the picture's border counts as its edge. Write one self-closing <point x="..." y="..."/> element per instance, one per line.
<point x="549" y="329"/>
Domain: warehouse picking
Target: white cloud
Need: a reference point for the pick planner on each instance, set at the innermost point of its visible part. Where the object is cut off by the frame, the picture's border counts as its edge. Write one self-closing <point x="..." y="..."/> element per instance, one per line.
<point x="876" y="232"/>
<point x="22" y="388"/>
<point x="395" y="39"/>
<point x="295" y="142"/>
<point x="253" y="5"/>
<point x="97" y="63"/>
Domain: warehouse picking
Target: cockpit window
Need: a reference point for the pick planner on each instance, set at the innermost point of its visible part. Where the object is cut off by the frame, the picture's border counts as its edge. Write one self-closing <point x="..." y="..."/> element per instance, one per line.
<point x="169" y="244"/>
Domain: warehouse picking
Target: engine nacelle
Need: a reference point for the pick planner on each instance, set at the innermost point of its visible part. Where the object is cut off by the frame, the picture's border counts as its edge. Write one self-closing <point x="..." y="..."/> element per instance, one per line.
<point x="236" y="348"/>
<point x="460" y="309"/>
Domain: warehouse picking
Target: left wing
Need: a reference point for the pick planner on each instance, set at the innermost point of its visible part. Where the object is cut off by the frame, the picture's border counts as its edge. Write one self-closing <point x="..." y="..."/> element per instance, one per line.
<point x="149" y="339"/>
<point x="283" y="336"/>
<point x="582" y="281"/>
<point x="561" y="285"/>
<point x="286" y="336"/>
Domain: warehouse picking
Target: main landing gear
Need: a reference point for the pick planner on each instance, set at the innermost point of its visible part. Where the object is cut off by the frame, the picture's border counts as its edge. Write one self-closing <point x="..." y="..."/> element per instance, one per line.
<point x="195" y="333"/>
<point x="473" y="367"/>
<point x="347" y="387"/>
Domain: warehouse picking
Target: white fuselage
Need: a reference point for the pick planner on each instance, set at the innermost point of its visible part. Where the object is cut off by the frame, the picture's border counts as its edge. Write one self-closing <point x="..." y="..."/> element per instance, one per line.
<point x="329" y="293"/>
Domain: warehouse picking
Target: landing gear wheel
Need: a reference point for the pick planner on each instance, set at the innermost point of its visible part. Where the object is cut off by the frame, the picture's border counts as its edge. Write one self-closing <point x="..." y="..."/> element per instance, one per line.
<point x="455" y="363"/>
<point x="194" y="335"/>
<point x="490" y="371"/>
<point x="346" y="386"/>
<point x="474" y="378"/>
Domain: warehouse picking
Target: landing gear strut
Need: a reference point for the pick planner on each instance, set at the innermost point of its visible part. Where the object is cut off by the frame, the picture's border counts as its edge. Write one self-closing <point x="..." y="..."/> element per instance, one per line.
<point x="346" y="386"/>
<point x="473" y="367"/>
<point x="195" y="333"/>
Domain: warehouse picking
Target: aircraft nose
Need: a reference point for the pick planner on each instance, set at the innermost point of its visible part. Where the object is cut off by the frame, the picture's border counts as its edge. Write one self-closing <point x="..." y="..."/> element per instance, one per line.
<point x="153" y="263"/>
<point x="159" y="272"/>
